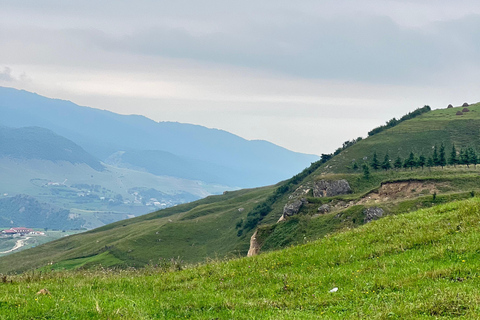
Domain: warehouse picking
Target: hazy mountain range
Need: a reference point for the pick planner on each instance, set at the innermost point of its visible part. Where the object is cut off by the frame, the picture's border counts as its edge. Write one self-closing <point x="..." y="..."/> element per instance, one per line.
<point x="104" y="167"/>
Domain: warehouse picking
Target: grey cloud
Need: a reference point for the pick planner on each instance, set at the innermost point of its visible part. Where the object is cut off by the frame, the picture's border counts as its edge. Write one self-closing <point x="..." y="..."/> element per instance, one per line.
<point x="6" y="75"/>
<point x="279" y="37"/>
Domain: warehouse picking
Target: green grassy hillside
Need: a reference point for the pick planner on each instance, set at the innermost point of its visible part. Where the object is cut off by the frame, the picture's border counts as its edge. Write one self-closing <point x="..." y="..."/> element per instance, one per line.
<point x="193" y="231"/>
<point x="221" y="226"/>
<point x="420" y="265"/>
<point x="417" y="135"/>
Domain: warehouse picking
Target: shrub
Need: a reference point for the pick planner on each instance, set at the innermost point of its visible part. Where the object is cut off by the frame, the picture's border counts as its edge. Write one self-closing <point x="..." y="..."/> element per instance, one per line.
<point x="459" y="113"/>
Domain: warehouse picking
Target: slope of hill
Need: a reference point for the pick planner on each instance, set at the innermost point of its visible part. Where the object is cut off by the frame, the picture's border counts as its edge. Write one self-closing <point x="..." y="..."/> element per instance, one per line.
<point x="103" y="133"/>
<point x="24" y="210"/>
<point x="43" y="144"/>
<point x="418" y="135"/>
<point x="421" y="265"/>
<point x="393" y="192"/>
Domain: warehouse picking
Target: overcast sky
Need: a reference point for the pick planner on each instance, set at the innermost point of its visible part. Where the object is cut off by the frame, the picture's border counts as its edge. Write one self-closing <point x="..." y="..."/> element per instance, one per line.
<point x="306" y="75"/>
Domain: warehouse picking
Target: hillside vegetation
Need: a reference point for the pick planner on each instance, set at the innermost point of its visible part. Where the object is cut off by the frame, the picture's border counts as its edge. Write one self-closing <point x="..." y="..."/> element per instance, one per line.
<point x="420" y="265"/>
<point x="222" y="226"/>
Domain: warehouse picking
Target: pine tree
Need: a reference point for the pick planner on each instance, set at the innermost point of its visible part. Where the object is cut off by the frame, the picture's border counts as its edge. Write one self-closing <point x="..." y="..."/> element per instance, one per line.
<point x="398" y="163"/>
<point x="386" y="163"/>
<point x="474" y="158"/>
<point x="421" y="161"/>
<point x="430" y="162"/>
<point x="453" y="157"/>
<point x="411" y="161"/>
<point x="436" y="161"/>
<point x="366" y="171"/>
<point x="471" y="156"/>
<point x="375" y="163"/>
<point x="463" y="157"/>
<point x="442" y="161"/>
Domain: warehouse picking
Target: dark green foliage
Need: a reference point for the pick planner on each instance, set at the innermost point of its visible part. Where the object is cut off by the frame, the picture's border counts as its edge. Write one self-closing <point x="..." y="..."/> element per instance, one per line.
<point x="366" y="171"/>
<point x="375" y="164"/>
<point x="261" y="210"/>
<point x="441" y="156"/>
<point x="436" y="159"/>
<point x="398" y="163"/>
<point x="386" y="163"/>
<point x="430" y="162"/>
<point x="421" y="161"/>
<point x="355" y="166"/>
<point x="410" y="161"/>
<point x="453" y="160"/>
<point x="471" y="156"/>
<point x="463" y="156"/>
<point x="393" y="122"/>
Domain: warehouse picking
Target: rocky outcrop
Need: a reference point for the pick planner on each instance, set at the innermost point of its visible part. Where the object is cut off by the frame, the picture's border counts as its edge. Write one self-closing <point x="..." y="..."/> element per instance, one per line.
<point x="372" y="213"/>
<point x="325" y="188"/>
<point x="324" y="208"/>
<point x="291" y="209"/>
<point x="254" y="245"/>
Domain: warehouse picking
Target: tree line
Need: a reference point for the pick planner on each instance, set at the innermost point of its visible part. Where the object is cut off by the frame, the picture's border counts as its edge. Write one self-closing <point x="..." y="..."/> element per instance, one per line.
<point x="467" y="156"/>
<point x="393" y="122"/>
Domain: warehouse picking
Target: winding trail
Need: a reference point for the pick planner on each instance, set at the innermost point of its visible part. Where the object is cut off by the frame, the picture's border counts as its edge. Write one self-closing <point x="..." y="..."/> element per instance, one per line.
<point x="20" y="243"/>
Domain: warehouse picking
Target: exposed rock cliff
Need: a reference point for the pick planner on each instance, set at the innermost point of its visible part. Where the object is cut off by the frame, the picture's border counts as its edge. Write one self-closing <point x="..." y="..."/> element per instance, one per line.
<point x="254" y="245"/>
<point x="292" y="208"/>
<point x="325" y="188"/>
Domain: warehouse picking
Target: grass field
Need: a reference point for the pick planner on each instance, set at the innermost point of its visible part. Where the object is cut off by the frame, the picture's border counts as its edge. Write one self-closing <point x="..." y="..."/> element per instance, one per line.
<point x="420" y="265"/>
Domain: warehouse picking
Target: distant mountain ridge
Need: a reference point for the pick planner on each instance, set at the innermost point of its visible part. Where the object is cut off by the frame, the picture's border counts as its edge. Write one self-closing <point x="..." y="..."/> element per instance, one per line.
<point x="102" y="133"/>
<point x="43" y="144"/>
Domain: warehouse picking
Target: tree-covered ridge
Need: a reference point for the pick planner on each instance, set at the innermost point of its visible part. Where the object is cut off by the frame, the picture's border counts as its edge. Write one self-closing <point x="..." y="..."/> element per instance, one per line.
<point x="393" y="122"/>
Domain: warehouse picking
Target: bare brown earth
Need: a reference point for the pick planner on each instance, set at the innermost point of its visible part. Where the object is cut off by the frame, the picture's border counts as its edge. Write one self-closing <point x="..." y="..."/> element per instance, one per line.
<point x="405" y="190"/>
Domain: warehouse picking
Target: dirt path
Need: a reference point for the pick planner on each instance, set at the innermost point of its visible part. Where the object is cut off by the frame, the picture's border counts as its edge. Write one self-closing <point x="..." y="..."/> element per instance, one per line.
<point x="20" y="243"/>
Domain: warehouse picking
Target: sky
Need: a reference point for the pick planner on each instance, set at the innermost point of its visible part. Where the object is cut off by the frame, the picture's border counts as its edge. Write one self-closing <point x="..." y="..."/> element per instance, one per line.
<point x="306" y="75"/>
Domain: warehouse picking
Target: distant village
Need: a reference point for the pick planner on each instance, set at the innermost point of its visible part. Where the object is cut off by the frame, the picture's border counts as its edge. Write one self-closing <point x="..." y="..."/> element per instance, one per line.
<point x="17" y="232"/>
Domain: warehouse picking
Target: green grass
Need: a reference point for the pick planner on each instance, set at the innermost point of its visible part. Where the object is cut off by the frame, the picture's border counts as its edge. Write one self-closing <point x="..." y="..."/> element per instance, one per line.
<point x="420" y="265"/>
<point x="193" y="231"/>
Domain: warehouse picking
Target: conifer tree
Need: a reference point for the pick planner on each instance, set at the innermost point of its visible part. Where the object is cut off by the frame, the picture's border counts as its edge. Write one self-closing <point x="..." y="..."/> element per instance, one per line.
<point x="375" y="163"/>
<point x="398" y="163"/>
<point x="366" y="171"/>
<point x="430" y="162"/>
<point x="442" y="161"/>
<point x="463" y="156"/>
<point x="421" y="161"/>
<point x="471" y="156"/>
<point x="386" y="163"/>
<point x="474" y="158"/>
<point x="411" y="161"/>
<point x="435" y="159"/>
<point x="453" y="160"/>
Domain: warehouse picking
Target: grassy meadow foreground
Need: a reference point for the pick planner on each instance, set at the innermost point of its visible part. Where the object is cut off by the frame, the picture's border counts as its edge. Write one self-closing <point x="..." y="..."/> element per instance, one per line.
<point x="418" y="265"/>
